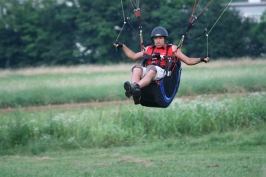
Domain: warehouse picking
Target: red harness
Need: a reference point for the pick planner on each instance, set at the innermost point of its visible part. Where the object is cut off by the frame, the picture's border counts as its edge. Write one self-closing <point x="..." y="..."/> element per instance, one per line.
<point x="158" y="55"/>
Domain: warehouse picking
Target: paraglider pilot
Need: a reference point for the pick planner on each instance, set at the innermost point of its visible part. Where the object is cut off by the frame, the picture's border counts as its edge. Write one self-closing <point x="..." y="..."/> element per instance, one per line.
<point x="154" y="62"/>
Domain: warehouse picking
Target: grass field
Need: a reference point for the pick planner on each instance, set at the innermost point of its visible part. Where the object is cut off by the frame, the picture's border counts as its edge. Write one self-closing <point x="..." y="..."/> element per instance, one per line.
<point x="183" y="157"/>
<point x="214" y="127"/>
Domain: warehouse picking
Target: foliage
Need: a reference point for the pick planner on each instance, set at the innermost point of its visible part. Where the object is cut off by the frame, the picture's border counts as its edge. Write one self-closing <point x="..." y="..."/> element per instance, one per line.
<point x="259" y="32"/>
<point x="40" y="34"/>
<point x="72" y="32"/>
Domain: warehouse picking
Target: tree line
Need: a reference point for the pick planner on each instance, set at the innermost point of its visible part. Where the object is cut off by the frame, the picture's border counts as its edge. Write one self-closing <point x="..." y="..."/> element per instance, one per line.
<point x="36" y="33"/>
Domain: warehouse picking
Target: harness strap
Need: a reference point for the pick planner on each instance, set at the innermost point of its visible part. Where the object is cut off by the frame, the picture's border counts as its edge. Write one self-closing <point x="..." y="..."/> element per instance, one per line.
<point x="168" y="59"/>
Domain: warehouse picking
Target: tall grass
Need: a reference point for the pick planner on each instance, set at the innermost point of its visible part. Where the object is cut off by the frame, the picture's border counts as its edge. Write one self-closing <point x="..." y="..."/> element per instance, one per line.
<point x="59" y="89"/>
<point x="124" y="125"/>
<point x="45" y="86"/>
<point x="227" y="79"/>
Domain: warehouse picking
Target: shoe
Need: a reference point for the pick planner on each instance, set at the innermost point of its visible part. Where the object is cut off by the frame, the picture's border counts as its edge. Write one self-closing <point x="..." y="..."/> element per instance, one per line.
<point x="128" y="88"/>
<point x="136" y="93"/>
<point x="133" y="90"/>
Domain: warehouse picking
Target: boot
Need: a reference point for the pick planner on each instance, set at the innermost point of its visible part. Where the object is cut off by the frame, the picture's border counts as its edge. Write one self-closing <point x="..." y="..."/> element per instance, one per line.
<point x="136" y="93"/>
<point x="132" y="90"/>
<point x="129" y="89"/>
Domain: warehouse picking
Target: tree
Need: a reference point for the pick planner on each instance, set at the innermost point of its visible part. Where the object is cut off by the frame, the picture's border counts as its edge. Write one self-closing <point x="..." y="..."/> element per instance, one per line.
<point x="10" y="42"/>
<point x="225" y="39"/>
<point x="44" y="32"/>
<point x="96" y="21"/>
<point x="258" y="46"/>
<point x="37" y="33"/>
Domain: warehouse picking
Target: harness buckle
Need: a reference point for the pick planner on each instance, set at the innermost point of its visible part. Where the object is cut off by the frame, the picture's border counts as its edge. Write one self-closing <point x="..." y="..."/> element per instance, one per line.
<point x="156" y="56"/>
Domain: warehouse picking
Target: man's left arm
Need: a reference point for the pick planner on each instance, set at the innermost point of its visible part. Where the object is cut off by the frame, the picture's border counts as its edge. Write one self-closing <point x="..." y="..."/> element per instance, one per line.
<point x="189" y="61"/>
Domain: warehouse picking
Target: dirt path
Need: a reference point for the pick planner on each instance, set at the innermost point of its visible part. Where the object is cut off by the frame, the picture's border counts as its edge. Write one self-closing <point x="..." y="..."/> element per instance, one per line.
<point x="65" y="106"/>
<point x="100" y="104"/>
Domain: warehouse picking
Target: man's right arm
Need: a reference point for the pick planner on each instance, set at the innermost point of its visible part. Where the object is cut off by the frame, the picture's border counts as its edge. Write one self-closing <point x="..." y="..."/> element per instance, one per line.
<point x="128" y="52"/>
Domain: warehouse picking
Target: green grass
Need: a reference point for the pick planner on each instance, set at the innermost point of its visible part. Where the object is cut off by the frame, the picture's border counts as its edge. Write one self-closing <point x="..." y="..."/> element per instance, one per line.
<point x="208" y="136"/>
<point x="228" y="79"/>
<point x="123" y="125"/>
<point x="59" y="89"/>
<point x="209" y="156"/>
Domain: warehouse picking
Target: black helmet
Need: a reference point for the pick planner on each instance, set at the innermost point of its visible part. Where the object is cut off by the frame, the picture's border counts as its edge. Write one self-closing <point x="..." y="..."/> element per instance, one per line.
<point x="159" y="31"/>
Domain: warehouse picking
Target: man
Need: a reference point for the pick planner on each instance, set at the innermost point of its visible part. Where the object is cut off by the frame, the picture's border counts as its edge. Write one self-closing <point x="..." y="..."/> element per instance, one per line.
<point x="153" y="69"/>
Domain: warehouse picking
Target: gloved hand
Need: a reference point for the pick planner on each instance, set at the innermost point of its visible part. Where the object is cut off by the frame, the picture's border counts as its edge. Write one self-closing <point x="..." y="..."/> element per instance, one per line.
<point x="118" y="44"/>
<point x="202" y="59"/>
